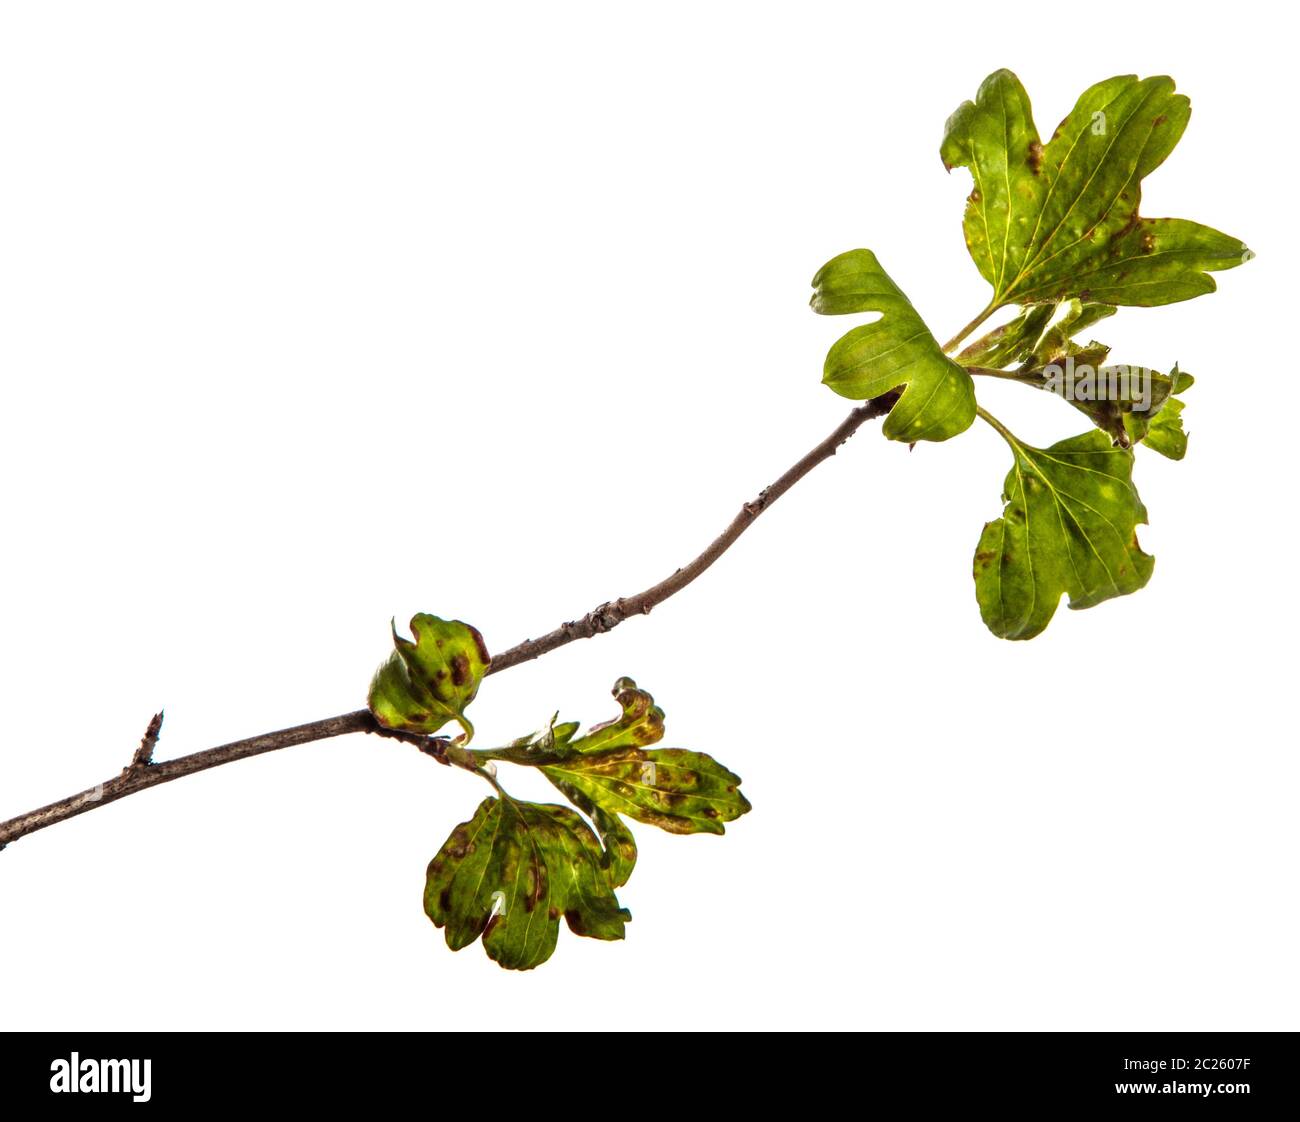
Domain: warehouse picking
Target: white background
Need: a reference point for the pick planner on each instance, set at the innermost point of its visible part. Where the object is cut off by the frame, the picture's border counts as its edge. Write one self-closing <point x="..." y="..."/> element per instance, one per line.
<point x="319" y="314"/>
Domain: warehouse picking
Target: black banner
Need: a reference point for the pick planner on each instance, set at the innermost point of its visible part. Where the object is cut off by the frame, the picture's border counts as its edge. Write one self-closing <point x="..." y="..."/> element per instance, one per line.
<point x="1236" y="1071"/>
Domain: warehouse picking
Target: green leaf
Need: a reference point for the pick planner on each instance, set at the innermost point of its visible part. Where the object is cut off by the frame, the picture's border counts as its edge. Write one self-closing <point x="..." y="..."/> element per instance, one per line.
<point x="428" y="682"/>
<point x="1049" y="223"/>
<point x="895" y="351"/>
<point x="611" y="769"/>
<point x="511" y="872"/>
<point x="1069" y="526"/>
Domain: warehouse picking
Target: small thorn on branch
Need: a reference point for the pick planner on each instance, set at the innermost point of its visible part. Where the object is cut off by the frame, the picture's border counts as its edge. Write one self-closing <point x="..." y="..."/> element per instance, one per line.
<point x="143" y="757"/>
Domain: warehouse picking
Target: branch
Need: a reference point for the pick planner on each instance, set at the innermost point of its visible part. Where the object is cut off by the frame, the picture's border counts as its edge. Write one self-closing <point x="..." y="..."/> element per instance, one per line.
<point x="143" y="773"/>
<point x="609" y="615"/>
<point x="144" y="754"/>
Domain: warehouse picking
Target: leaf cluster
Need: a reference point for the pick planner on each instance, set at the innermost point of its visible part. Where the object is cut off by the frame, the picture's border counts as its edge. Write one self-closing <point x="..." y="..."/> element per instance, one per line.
<point x="1055" y="229"/>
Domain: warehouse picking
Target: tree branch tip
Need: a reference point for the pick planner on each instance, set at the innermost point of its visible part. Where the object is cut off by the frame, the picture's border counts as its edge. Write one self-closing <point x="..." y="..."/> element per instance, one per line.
<point x="143" y="756"/>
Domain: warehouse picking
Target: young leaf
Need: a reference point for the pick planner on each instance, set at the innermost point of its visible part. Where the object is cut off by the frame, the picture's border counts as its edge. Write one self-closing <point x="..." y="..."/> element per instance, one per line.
<point x="511" y="872"/>
<point x="1048" y="223"/>
<point x="428" y="682"/>
<point x="1012" y="343"/>
<point x="640" y="723"/>
<point x="894" y="351"/>
<point x="1120" y="400"/>
<point x="1058" y="342"/>
<point x="611" y="769"/>
<point x="1070" y="526"/>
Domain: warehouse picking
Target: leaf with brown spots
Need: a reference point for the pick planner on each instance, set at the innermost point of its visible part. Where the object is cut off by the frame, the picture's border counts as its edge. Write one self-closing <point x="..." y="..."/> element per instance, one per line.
<point x="679" y="791"/>
<point x="641" y="723"/>
<point x="429" y="681"/>
<point x="1069" y="526"/>
<point x="613" y="771"/>
<point x="1046" y="223"/>
<point x="511" y="872"/>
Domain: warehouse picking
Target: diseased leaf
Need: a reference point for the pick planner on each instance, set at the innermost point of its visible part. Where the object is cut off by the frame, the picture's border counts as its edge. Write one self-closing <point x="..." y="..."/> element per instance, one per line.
<point x="1161" y="429"/>
<point x="428" y="682"/>
<point x="1049" y="223"/>
<point x="613" y="770"/>
<point x="511" y="872"/>
<point x="897" y="350"/>
<point x="1116" y="398"/>
<point x="1070" y="526"/>
<point x="678" y="791"/>
<point x="1120" y="399"/>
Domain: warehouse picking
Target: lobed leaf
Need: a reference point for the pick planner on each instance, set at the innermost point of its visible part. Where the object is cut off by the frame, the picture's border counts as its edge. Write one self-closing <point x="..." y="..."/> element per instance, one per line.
<point x="509" y="874"/>
<point x="938" y="399"/>
<point x="429" y="681"/>
<point x="1046" y="223"/>
<point x="1069" y="526"/>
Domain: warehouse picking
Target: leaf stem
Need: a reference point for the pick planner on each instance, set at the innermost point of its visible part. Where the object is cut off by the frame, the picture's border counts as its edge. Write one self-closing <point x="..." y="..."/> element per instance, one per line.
<point x="1001" y="429"/>
<point x="957" y="339"/>
<point x="992" y="372"/>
